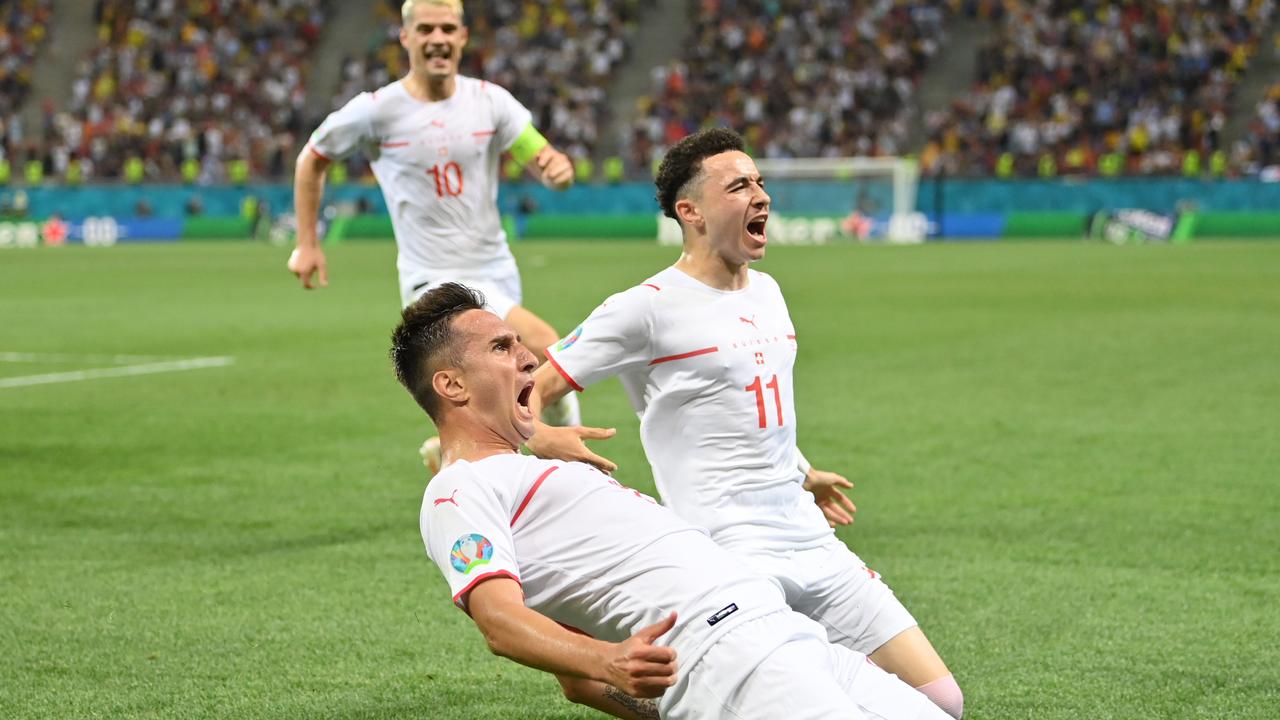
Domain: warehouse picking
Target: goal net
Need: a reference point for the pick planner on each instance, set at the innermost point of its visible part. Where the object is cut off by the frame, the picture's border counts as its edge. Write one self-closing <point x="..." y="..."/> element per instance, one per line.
<point x="818" y="201"/>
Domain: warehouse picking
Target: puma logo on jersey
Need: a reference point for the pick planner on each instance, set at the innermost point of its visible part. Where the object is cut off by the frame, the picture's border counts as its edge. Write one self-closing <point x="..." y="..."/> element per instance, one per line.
<point x="751" y="322"/>
<point x="440" y="501"/>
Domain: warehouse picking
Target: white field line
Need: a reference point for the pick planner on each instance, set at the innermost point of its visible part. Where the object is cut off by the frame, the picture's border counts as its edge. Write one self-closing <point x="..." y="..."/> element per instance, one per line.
<point x="123" y="371"/>
<point x="23" y="357"/>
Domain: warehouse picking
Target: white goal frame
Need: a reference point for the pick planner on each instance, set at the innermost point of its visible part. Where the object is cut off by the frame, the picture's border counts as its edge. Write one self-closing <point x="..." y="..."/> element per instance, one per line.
<point x="904" y="173"/>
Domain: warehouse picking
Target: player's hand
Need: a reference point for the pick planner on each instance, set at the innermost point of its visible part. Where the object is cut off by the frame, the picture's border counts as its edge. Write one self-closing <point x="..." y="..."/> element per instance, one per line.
<point x="835" y="505"/>
<point x="305" y="261"/>
<point x="640" y="668"/>
<point x="554" y="168"/>
<point x="568" y="444"/>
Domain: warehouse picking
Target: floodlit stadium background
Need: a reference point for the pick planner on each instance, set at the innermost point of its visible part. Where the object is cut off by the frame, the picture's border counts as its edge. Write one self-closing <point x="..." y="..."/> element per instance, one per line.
<point x="1065" y="450"/>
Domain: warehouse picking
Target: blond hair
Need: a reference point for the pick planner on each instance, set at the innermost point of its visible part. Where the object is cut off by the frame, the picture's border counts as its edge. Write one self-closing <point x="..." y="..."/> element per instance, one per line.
<point x="406" y="10"/>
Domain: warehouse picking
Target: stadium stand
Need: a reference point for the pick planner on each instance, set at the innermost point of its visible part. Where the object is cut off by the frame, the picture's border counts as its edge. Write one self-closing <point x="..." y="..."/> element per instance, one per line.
<point x="555" y="56"/>
<point x="798" y="78"/>
<point x="1260" y="152"/>
<point x="1100" y="88"/>
<point x="210" y="90"/>
<point x="24" y="27"/>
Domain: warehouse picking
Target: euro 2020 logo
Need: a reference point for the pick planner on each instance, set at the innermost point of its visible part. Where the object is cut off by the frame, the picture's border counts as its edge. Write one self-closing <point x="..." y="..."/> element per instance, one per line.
<point x="469" y="552"/>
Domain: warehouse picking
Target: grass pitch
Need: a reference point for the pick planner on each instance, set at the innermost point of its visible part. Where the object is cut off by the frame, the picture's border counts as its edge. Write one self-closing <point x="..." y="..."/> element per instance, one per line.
<point x="1065" y="454"/>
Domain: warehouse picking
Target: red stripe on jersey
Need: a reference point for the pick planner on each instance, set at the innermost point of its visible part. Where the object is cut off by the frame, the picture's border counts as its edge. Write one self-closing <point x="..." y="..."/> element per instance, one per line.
<point x="536" y="484"/>
<point x="791" y="337"/>
<point x="319" y="154"/>
<point x="458" y="599"/>
<point x="683" y="356"/>
<point x="484" y="133"/>
<point x="396" y="144"/>
<point x="655" y="287"/>
<point x="572" y="383"/>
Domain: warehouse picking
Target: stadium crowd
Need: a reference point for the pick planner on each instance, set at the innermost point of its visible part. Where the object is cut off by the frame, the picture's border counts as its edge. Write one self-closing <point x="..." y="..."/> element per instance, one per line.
<point x="799" y="78"/>
<point x="1100" y="87"/>
<point x="24" y="27"/>
<point x="556" y="56"/>
<point x="208" y="90"/>
<point x="213" y="90"/>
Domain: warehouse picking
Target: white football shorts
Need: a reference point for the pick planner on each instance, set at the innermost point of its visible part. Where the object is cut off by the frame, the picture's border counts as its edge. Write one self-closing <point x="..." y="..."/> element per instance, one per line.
<point x="832" y="585"/>
<point x="498" y="280"/>
<point x="803" y="678"/>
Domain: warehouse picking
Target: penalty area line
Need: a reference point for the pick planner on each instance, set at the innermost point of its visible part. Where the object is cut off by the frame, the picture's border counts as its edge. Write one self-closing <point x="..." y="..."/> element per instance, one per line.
<point x="123" y="371"/>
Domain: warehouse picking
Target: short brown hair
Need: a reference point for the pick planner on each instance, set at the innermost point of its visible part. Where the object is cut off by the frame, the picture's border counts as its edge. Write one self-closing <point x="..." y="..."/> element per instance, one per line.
<point x="423" y="341"/>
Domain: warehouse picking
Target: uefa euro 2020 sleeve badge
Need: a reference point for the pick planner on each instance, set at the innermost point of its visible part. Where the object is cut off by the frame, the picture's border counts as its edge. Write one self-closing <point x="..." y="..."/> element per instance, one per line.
<point x="469" y="552"/>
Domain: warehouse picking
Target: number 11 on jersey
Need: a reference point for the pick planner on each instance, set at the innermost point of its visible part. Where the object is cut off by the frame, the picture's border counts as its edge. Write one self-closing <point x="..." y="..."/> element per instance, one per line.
<point x="758" y="388"/>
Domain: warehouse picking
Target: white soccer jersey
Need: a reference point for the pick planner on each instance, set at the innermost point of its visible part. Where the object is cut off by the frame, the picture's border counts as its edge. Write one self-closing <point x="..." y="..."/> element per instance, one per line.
<point x="709" y="373"/>
<point x="588" y="552"/>
<point x="437" y="164"/>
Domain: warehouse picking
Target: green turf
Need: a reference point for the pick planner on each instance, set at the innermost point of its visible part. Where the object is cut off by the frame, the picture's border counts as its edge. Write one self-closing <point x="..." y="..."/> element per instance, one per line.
<point x="1065" y="454"/>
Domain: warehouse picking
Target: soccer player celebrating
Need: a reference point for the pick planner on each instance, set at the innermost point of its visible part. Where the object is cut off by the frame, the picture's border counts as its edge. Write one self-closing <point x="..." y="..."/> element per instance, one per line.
<point x="532" y="547"/>
<point x="435" y="138"/>
<point x="705" y="351"/>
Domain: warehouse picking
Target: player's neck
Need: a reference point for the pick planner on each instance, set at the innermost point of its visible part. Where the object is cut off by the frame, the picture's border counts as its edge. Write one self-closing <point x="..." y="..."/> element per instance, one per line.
<point x="429" y="89"/>
<point x="464" y="439"/>
<point x="712" y="270"/>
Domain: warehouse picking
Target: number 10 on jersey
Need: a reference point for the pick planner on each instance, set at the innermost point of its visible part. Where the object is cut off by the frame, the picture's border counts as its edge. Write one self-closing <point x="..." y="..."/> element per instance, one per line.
<point x="448" y="179"/>
<point x="758" y="387"/>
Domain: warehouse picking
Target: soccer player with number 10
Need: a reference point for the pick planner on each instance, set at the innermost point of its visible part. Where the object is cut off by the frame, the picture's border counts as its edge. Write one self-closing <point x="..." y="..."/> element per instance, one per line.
<point x="435" y="138"/>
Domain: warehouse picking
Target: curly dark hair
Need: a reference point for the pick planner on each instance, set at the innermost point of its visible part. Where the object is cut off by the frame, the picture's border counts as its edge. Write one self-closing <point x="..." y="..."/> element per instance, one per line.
<point x="683" y="164"/>
<point x="423" y="340"/>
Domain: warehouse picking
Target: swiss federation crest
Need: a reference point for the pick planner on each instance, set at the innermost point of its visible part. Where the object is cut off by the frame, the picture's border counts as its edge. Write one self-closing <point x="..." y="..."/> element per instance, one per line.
<point x="469" y="552"/>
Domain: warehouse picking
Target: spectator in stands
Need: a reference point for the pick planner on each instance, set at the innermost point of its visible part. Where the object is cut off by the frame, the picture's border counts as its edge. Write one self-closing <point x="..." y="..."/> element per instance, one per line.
<point x="1060" y="83"/>
<point x="798" y="78"/>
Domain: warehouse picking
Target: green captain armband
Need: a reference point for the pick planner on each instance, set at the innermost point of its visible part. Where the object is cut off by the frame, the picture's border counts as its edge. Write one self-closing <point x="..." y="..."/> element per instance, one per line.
<point x="528" y="145"/>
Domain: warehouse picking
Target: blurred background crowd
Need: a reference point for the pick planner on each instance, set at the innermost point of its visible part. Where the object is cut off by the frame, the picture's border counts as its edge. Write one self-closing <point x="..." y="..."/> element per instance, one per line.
<point x="210" y="91"/>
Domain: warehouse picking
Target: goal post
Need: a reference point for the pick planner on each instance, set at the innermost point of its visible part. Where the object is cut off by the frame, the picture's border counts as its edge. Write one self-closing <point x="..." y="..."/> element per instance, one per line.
<point x="817" y="201"/>
<point x="876" y="195"/>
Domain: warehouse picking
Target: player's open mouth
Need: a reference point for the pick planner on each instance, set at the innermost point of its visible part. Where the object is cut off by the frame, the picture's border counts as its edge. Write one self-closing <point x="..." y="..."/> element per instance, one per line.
<point x="522" y="399"/>
<point x="441" y="52"/>
<point x="755" y="227"/>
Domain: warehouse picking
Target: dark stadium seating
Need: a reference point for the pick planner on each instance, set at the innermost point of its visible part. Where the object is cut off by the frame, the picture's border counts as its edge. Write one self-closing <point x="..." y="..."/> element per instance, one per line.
<point x="799" y="78"/>
<point x="1100" y="87"/>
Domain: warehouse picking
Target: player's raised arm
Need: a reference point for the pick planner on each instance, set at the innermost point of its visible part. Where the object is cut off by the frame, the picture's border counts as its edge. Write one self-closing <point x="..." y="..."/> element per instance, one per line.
<point x="552" y="167"/>
<point x="636" y="666"/>
<point x="562" y="443"/>
<point x="308" y="187"/>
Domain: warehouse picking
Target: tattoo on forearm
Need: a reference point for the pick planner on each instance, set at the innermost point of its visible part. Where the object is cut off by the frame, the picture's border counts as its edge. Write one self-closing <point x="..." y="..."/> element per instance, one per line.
<point x="646" y="709"/>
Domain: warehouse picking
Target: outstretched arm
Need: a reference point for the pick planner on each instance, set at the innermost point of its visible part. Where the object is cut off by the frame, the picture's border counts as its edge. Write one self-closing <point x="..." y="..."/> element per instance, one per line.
<point x="308" y="187"/>
<point x="562" y="443"/>
<point x="636" y="666"/>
